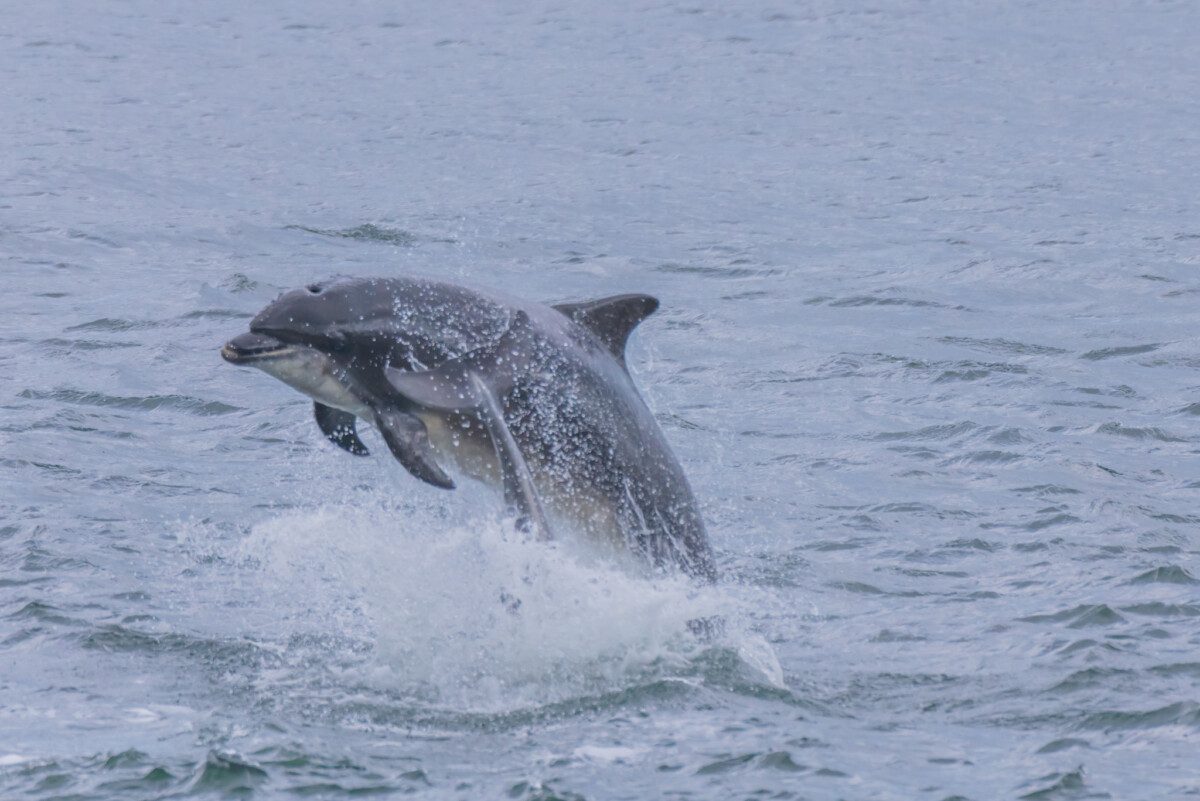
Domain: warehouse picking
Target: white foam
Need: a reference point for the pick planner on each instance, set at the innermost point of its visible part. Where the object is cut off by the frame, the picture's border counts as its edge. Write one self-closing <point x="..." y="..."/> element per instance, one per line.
<point x="608" y="754"/>
<point x="758" y="655"/>
<point x="472" y="615"/>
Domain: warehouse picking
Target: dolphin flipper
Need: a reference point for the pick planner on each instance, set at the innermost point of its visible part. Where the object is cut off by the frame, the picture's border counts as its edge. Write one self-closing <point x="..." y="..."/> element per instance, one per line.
<point x="474" y="383"/>
<point x="611" y="319"/>
<point x="408" y="440"/>
<point x="338" y="428"/>
<point x="449" y="388"/>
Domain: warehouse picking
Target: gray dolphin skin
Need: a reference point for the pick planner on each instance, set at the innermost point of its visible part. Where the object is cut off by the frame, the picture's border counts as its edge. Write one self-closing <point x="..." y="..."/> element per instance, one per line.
<point x="533" y="399"/>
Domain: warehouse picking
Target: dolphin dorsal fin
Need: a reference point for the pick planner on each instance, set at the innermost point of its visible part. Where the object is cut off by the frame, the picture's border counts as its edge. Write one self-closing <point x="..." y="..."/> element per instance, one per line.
<point x="611" y="319"/>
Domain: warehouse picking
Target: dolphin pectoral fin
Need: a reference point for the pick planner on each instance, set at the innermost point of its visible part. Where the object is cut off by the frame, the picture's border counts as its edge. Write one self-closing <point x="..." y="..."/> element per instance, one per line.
<point x="611" y="319"/>
<point x="444" y="389"/>
<point x="519" y="493"/>
<point x="408" y="440"/>
<point x="449" y="388"/>
<point x="338" y="428"/>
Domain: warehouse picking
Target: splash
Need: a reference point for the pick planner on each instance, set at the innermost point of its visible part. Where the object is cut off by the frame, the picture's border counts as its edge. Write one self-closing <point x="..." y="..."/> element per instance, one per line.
<point x="472" y="615"/>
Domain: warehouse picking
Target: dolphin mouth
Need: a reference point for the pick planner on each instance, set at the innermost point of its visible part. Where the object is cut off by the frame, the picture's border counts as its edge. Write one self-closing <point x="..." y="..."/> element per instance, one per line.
<point x="250" y="348"/>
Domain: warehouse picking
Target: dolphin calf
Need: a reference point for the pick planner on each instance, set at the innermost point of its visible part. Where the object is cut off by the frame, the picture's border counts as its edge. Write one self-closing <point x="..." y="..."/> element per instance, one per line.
<point x="533" y="399"/>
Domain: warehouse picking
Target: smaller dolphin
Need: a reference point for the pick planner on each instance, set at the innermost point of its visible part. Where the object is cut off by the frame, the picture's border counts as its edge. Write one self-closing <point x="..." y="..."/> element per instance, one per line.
<point x="533" y="399"/>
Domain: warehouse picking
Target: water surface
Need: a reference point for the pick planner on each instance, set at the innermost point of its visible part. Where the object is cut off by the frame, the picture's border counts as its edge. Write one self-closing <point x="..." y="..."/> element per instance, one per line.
<point x="928" y="351"/>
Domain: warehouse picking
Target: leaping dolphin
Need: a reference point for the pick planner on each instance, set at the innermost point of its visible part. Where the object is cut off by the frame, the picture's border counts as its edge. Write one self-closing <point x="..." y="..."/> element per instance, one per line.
<point x="535" y="399"/>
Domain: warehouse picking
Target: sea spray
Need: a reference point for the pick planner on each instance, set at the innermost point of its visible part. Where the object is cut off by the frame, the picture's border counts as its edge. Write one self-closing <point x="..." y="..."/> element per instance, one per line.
<point x="474" y="616"/>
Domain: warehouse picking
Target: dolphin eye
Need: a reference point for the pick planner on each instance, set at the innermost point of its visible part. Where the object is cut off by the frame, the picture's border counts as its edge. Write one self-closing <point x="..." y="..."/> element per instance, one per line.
<point x="314" y="288"/>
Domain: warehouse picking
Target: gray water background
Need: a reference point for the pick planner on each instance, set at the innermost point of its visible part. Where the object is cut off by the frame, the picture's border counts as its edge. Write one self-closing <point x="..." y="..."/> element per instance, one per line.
<point x="928" y="351"/>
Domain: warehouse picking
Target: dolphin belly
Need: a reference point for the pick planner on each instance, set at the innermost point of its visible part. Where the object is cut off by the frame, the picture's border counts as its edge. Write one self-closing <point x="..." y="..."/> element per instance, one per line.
<point x="457" y="442"/>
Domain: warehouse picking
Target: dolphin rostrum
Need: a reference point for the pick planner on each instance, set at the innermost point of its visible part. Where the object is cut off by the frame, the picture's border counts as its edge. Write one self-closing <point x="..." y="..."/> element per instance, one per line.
<point x="534" y="399"/>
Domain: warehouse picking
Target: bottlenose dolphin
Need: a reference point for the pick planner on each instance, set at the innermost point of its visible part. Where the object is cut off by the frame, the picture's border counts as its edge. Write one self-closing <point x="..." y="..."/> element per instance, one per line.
<point x="532" y="398"/>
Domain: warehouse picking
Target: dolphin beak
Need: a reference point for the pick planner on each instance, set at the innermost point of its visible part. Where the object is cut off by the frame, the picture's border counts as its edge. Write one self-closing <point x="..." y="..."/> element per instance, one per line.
<point x="250" y="348"/>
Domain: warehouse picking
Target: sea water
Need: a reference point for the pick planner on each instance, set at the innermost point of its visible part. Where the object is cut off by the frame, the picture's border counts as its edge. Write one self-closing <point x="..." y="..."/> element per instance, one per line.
<point x="927" y="351"/>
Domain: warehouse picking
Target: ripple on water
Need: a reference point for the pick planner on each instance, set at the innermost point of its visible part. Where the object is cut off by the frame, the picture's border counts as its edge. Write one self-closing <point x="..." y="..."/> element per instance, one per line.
<point x="151" y="784"/>
<point x="147" y="403"/>
<point x="970" y="544"/>
<point x="1009" y="436"/>
<point x="116" y="324"/>
<point x="1090" y="678"/>
<point x="850" y="544"/>
<point x="974" y="371"/>
<point x="1047" y="489"/>
<point x="1167" y="574"/>
<point x="1164" y="610"/>
<point x="712" y="271"/>
<point x="768" y="762"/>
<point x="1180" y="713"/>
<point x="1006" y="346"/>
<point x="542" y="791"/>
<point x="226" y="774"/>
<point x="1191" y="669"/>
<point x="862" y="588"/>
<point x="859" y="301"/>
<point x="120" y="324"/>
<point x="1134" y="432"/>
<point x="368" y="232"/>
<point x="239" y="283"/>
<point x="1062" y="786"/>
<point x="116" y="638"/>
<point x="216" y="314"/>
<point x="68" y="345"/>
<point x="1063" y="744"/>
<point x="1083" y="616"/>
<point x="726" y="763"/>
<point x="1112" y="353"/>
<point x="1087" y="645"/>
<point x="936" y="432"/>
<point x="143" y="484"/>
<point x="1037" y="524"/>
<point x="985" y="457"/>
<point x="43" y="613"/>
